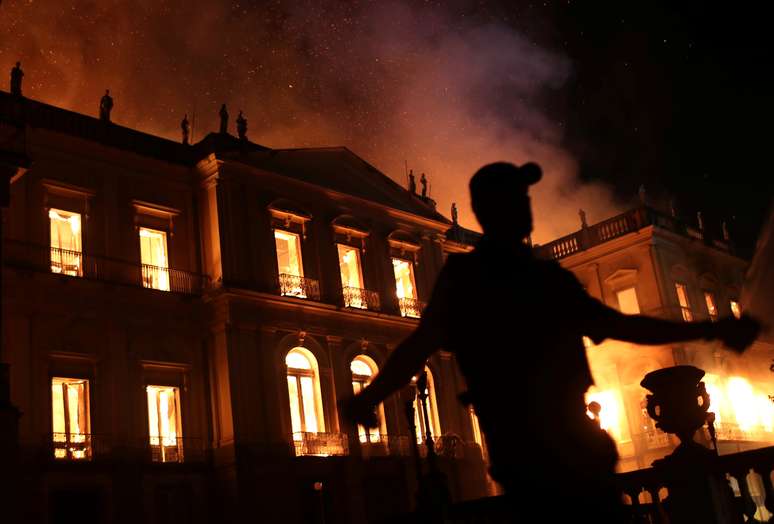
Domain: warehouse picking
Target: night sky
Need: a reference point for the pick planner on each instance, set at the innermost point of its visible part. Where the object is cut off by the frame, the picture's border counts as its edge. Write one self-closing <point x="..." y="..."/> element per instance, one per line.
<point x="605" y="96"/>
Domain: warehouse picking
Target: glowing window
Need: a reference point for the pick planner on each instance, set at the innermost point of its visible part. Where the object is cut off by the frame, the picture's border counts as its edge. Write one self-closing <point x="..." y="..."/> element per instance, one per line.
<point x="405" y="288"/>
<point x="682" y="299"/>
<point x="153" y="255"/>
<point x="164" y="424"/>
<point x="288" y="253"/>
<point x="304" y="393"/>
<point x="627" y="301"/>
<point x="611" y="417"/>
<point x="363" y="371"/>
<point x="432" y="411"/>
<point x="351" y="276"/>
<point x="70" y="418"/>
<point x="736" y="310"/>
<point x="65" y="230"/>
<point x="478" y="435"/>
<point x="712" y="308"/>
<point x="742" y="400"/>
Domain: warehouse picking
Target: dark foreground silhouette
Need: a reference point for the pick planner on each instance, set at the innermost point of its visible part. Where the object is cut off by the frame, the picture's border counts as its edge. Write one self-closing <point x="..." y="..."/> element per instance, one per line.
<point x="515" y="325"/>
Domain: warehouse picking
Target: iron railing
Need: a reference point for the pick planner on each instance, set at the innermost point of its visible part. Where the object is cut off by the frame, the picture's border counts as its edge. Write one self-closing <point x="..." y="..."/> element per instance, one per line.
<point x="47" y="259"/>
<point x="320" y="444"/>
<point x="299" y="287"/>
<point x="410" y="307"/>
<point x="174" y="449"/>
<point x="360" y="298"/>
<point x="75" y="446"/>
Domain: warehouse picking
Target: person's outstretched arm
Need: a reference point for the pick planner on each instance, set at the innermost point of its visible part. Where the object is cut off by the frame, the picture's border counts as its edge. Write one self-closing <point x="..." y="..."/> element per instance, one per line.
<point x="406" y="360"/>
<point x="639" y="329"/>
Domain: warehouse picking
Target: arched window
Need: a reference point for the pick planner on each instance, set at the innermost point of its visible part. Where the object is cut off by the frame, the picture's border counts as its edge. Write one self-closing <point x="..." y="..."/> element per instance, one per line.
<point x="363" y="371"/>
<point x="432" y="411"/>
<point x="306" y="414"/>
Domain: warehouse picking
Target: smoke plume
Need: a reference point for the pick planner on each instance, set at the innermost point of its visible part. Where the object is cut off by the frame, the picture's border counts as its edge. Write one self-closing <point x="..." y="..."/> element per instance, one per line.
<point x="444" y="88"/>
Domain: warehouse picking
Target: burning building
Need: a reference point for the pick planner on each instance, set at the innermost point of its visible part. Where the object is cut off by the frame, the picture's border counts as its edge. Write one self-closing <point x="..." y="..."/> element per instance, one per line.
<point x="180" y="320"/>
<point x="651" y="262"/>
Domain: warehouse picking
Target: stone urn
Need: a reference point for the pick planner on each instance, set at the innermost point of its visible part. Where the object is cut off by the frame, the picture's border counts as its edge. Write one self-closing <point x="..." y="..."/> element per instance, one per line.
<point x="698" y="490"/>
<point x="679" y="401"/>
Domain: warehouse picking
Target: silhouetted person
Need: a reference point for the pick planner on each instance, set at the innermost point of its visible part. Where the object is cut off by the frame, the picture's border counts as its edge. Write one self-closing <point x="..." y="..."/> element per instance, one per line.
<point x="423" y="183"/>
<point x="16" y="79"/>
<point x="515" y="324"/>
<point x="241" y="123"/>
<point x="412" y="182"/>
<point x="185" y="128"/>
<point x="105" y="106"/>
<point x="223" y="119"/>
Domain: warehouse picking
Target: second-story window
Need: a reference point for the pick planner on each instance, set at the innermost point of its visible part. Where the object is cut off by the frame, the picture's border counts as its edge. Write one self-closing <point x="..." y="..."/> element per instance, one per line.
<point x="405" y="288"/>
<point x="65" y="228"/>
<point x="70" y="418"/>
<point x="289" y="263"/>
<point x="164" y="424"/>
<point x="736" y="309"/>
<point x="712" y="308"/>
<point x="153" y="256"/>
<point x="627" y="301"/>
<point x="351" y="276"/>
<point x="682" y="299"/>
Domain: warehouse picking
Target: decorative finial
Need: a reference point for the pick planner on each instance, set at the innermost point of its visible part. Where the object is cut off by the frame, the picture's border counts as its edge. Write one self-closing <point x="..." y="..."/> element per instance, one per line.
<point x="641" y="194"/>
<point x="16" y="79"/>
<point x="423" y="182"/>
<point x="105" y="106"/>
<point x="582" y="215"/>
<point x="700" y="220"/>
<point x="454" y="213"/>
<point x="724" y="227"/>
<point x="223" y="119"/>
<point x="412" y="182"/>
<point x="241" y="123"/>
<point x="185" y="128"/>
<point x="673" y="207"/>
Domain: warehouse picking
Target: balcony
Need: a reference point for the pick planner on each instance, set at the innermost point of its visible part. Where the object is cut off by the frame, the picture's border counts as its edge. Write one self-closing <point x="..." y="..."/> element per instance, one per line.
<point x="410" y="307"/>
<point x="174" y="449"/>
<point x="619" y="226"/>
<point x="299" y="287"/>
<point x="45" y="259"/>
<point x="320" y="444"/>
<point x="401" y="446"/>
<point x="75" y="446"/>
<point x="360" y="298"/>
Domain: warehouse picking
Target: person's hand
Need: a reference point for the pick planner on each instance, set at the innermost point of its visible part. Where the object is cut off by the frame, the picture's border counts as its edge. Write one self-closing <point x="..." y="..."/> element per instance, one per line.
<point x="738" y="334"/>
<point x="358" y="410"/>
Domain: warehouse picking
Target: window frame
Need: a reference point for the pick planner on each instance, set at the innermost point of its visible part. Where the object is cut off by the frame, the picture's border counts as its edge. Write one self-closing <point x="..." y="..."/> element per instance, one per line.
<point x="69" y="444"/>
<point x="685" y="309"/>
<point x="77" y="255"/>
<point x="149" y="270"/>
<point x="297" y="374"/>
<point x="179" y="442"/>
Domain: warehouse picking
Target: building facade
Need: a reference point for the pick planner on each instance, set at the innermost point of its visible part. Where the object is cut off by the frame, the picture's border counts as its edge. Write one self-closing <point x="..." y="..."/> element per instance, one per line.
<point x="651" y="262"/>
<point x="180" y="322"/>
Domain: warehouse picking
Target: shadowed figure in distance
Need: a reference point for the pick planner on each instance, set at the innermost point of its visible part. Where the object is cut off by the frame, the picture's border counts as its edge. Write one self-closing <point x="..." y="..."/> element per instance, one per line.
<point x="515" y="324"/>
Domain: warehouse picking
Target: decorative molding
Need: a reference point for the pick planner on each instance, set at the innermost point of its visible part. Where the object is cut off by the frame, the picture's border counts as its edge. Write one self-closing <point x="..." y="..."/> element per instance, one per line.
<point x="56" y="187"/>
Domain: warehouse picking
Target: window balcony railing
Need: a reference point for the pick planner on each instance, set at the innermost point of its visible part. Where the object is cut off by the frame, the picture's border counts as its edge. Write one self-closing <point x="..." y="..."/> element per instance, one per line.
<point x="66" y="262"/>
<point x="74" y="446"/>
<point x="320" y="444"/>
<point x="174" y="449"/>
<point x="410" y="307"/>
<point x="360" y="298"/>
<point x="299" y="287"/>
<point x="448" y="446"/>
<point x="46" y="259"/>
